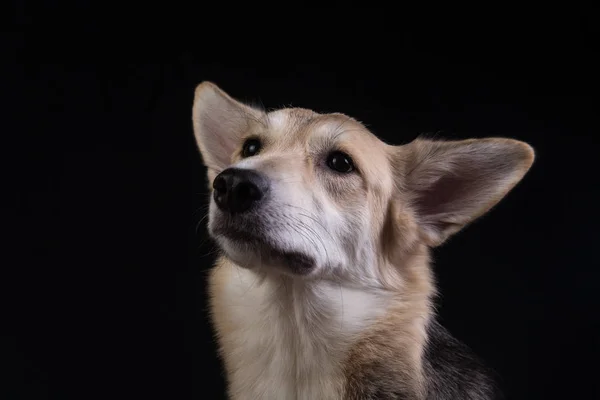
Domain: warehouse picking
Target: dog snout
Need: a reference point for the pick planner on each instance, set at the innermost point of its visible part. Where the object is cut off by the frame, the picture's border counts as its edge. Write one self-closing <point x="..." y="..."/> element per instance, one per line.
<point x="237" y="190"/>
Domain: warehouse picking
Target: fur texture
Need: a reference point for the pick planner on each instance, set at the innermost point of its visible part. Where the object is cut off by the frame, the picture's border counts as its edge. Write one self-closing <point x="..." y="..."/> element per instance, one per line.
<point x="324" y="289"/>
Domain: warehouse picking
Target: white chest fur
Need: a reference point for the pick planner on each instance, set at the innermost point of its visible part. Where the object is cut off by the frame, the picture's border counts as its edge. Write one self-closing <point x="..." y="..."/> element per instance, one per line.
<point x="283" y="339"/>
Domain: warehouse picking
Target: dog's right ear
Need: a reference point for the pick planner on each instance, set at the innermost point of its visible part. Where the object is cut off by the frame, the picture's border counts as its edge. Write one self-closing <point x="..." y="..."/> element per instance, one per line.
<point x="219" y="122"/>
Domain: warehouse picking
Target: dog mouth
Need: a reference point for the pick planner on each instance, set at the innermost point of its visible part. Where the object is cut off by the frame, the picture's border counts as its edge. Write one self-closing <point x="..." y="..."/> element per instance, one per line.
<point x="297" y="262"/>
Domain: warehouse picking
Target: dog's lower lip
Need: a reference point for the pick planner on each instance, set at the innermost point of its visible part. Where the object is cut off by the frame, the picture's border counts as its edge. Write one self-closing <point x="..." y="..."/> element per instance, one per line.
<point x="299" y="262"/>
<point x="241" y="235"/>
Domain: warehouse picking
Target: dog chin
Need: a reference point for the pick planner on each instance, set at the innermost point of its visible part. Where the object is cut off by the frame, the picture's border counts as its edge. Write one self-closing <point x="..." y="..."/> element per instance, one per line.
<point x="252" y="251"/>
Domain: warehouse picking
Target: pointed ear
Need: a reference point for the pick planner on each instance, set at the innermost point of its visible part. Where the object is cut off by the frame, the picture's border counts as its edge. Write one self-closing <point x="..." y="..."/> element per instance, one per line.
<point x="219" y="125"/>
<point x="452" y="183"/>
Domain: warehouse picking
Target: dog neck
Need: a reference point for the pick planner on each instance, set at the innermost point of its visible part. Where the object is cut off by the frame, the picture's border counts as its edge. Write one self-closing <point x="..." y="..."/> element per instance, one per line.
<point x="297" y="331"/>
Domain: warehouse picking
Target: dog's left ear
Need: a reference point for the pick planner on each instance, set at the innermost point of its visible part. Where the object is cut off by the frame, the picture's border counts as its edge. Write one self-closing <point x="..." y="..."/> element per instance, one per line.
<point x="451" y="183"/>
<point x="219" y="125"/>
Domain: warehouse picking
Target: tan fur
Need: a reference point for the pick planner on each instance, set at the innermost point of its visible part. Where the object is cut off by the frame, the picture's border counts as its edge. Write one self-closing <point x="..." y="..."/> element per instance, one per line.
<point x="398" y="337"/>
<point x="283" y="336"/>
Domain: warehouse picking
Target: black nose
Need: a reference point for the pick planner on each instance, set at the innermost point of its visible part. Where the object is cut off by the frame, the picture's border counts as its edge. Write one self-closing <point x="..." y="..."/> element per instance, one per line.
<point x="237" y="190"/>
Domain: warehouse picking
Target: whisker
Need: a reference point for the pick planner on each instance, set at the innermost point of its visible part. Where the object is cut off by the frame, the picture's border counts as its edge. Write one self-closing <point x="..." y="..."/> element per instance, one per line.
<point x="307" y="214"/>
<point x="200" y="223"/>
<point x="315" y="235"/>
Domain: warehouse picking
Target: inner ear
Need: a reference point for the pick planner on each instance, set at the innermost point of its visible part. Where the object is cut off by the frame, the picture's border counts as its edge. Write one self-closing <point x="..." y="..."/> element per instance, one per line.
<point x="438" y="200"/>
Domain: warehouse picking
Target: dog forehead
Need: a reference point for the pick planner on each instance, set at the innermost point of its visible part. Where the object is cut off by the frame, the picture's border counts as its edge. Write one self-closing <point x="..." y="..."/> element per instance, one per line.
<point x="300" y="125"/>
<point x="288" y="116"/>
<point x="290" y="123"/>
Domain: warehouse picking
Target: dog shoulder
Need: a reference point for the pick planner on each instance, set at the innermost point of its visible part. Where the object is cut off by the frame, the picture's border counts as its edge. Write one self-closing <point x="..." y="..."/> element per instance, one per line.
<point x="452" y="370"/>
<point x="384" y="368"/>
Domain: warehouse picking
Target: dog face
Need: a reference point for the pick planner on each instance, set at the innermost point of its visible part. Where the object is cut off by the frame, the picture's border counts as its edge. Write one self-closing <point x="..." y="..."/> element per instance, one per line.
<point x="318" y="195"/>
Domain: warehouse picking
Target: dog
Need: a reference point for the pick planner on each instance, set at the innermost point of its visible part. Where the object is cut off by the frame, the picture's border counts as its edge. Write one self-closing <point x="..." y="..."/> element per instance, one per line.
<point x="324" y="289"/>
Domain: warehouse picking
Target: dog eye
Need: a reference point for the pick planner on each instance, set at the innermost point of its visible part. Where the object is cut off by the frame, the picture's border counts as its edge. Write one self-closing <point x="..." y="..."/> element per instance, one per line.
<point x="340" y="162"/>
<point x="251" y="148"/>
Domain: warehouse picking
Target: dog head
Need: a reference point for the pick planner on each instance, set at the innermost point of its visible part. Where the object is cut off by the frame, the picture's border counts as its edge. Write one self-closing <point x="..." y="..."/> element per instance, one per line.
<point x="309" y="194"/>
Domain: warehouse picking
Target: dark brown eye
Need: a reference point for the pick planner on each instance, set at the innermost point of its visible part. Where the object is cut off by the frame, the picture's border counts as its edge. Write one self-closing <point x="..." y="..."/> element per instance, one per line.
<point x="340" y="162"/>
<point x="251" y="148"/>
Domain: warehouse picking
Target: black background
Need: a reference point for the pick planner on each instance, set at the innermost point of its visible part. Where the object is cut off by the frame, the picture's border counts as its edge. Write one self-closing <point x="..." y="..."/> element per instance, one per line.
<point x="104" y="279"/>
